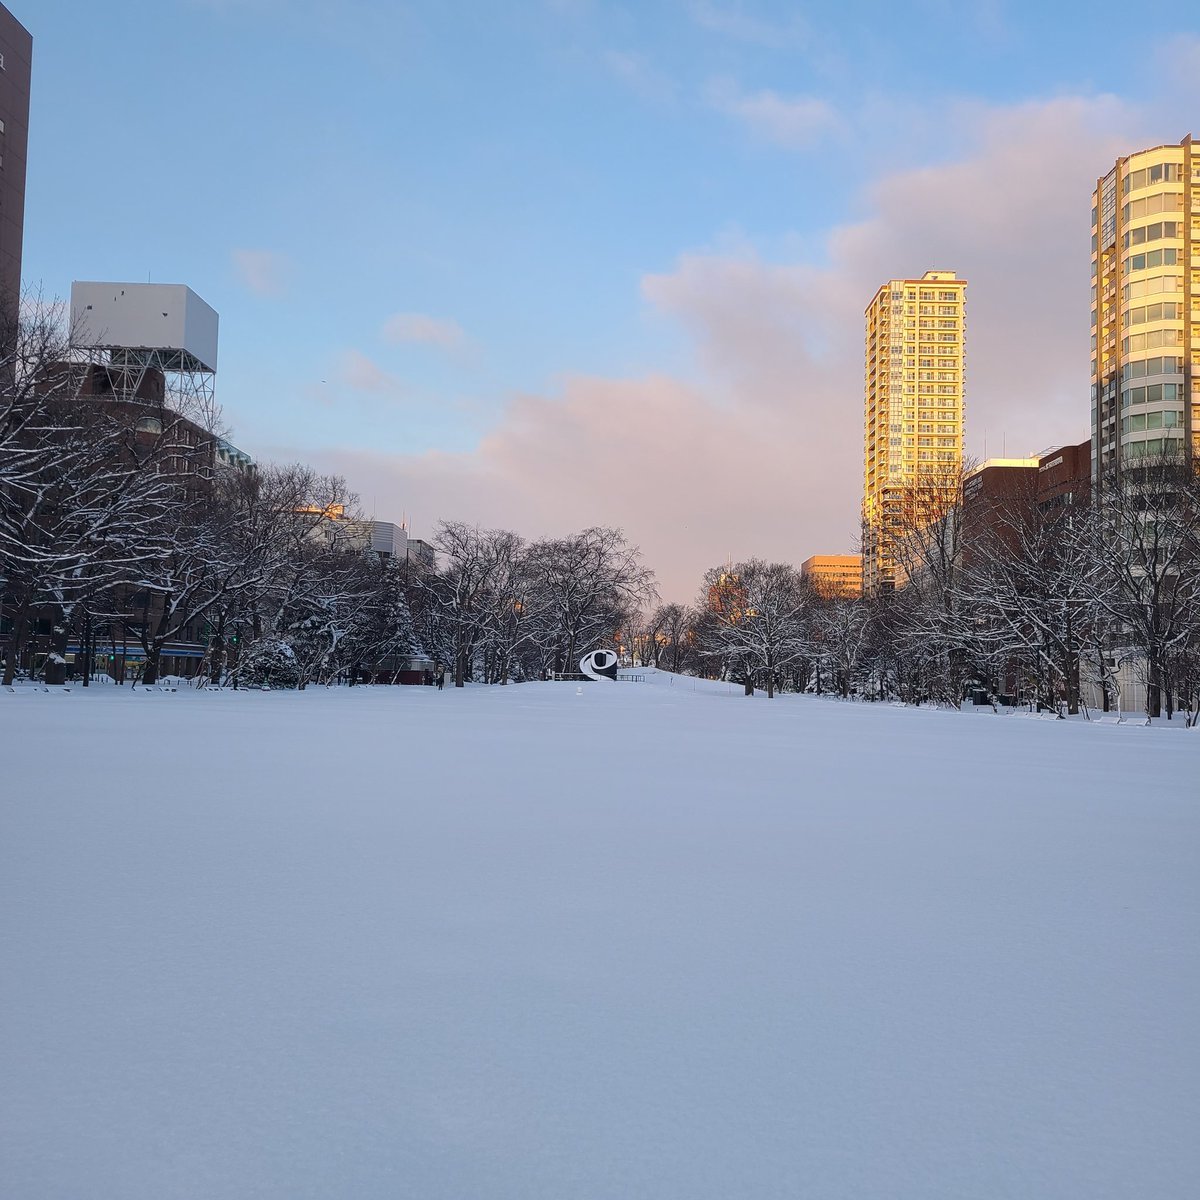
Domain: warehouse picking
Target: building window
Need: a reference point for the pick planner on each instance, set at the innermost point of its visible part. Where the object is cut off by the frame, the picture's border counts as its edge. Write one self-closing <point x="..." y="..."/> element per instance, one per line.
<point x="1153" y="258"/>
<point x="1152" y="233"/>
<point x="1159" y="173"/>
<point x="1163" y="202"/>
<point x="1152" y="312"/>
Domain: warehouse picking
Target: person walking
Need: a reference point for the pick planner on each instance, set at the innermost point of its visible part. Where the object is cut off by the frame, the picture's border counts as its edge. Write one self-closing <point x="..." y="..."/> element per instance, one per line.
<point x="441" y="677"/>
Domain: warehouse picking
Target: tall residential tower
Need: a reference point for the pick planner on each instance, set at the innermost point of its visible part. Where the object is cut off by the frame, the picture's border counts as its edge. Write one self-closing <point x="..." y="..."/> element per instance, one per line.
<point x="1146" y="307"/>
<point x="915" y="381"/>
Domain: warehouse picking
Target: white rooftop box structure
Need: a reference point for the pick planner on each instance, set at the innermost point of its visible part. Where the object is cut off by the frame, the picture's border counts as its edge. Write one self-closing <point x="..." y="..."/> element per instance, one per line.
<point x="163" y="324"/>
<point x="389" y="538"/>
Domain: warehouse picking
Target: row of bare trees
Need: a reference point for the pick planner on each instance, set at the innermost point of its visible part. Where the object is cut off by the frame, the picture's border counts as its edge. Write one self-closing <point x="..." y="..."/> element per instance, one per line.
<point x="1076" y="592"/>
<point x="500" y="608"/>
<point x="115" y="514"/>
<point x="111" y="514"/>
<point x="1017" y="597"/>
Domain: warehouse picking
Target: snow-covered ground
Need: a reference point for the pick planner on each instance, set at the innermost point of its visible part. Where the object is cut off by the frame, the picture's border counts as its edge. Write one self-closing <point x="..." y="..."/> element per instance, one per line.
<point x="610" y="941"/>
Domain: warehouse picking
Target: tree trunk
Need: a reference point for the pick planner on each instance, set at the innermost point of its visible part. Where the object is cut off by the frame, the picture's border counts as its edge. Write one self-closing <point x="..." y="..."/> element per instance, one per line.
<point x="85" y="649"/>
<point x="16" y="644"/>
<point x="217" y="646"/>
<point x="1153" y="685"/>
<point x="153" y="660"/>
<point x="55" y="670"/>
<point x="1071" y="674"/>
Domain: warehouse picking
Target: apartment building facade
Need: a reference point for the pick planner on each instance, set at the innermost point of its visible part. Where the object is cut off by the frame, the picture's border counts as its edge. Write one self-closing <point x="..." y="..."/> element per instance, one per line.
<point x="914" y="387"/>
<point x="1145" y="340"/>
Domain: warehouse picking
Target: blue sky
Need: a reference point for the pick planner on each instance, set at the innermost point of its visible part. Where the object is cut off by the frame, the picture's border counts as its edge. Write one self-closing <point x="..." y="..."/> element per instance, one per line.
<point x="448" y="242"/>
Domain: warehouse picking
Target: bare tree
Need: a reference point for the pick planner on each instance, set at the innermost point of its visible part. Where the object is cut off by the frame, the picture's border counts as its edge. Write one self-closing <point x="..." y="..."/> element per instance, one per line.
<point x="86" y="484"/>
<point x="843" y="629"/>
<point x="1147" y="542"/>
<point x="933" y="617"/>
<point x="458" y="597"/>
<point x="1034" y="593"/>
<point x="755" y="622"/>
<point x="675" y="639"/>
<point x="585" y="587"/>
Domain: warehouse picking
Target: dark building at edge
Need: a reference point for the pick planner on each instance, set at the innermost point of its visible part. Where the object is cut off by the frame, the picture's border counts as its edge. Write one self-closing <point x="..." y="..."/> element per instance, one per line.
<point x="16" y="60"/>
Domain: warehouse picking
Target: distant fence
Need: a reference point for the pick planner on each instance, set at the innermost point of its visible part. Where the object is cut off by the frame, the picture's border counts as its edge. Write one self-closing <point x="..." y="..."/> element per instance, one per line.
<point x="580" y="677"/>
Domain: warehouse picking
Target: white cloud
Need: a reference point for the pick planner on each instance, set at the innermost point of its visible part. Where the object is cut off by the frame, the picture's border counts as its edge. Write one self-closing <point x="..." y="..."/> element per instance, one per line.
<point x="736" y="22"/>
<point x="763" y="453"/>
<point x="793" y="121"/>
<point x="423" y="330"/>
<point x="638" y="74"/>
<point x="264" y="272"/>
<point x="362" y="374"/>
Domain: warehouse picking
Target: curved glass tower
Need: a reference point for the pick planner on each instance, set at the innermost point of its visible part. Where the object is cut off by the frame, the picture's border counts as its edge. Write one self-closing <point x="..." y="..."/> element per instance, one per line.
<point x="1146" y="307"/>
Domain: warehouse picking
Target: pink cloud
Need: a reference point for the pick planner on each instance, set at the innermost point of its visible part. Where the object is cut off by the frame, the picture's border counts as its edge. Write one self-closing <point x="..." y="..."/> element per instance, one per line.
<point x="762" y="454"/>
<point x="426" y="330"/>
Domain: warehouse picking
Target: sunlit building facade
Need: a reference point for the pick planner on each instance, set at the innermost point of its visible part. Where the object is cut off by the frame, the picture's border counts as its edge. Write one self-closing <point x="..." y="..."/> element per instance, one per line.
<point x="1146" y="307"/>
<point x="835" y="576"/>
<point x="914" y="387"/>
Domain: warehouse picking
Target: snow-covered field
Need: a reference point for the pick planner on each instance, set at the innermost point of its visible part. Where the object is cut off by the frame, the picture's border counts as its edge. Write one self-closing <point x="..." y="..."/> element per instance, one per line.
<point x="614" y="942"/>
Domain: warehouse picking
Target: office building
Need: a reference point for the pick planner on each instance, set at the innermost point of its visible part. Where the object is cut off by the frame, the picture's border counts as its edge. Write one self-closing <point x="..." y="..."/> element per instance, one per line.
<point x="1146" y="307"/>
<point x="998" y="498"/>
<point x="1064" y="477"/>
<point x="913" y="439"/>
<point x="16" y="57"/>
<point x="834" y="576"/>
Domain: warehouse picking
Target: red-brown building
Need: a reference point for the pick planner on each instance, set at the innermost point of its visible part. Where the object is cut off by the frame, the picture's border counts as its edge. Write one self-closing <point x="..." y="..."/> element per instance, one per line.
<point x="1064" y="476"/>
<point x="996" y="495"/>
<point x="1002" y="493"/>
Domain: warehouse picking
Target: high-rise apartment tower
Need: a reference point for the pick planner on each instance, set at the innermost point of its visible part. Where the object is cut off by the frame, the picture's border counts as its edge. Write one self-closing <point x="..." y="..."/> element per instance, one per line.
<point x="915" y="383"/>
<point x="16" y="56"/>
<point x="1146" y="307"/>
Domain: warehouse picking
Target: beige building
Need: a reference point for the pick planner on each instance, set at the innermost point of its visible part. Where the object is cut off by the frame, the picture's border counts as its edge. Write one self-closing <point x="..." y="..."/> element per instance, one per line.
<point x="913" y="436"/>
<point x="1146" y="306"/>
<point x="834" y="575"/>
